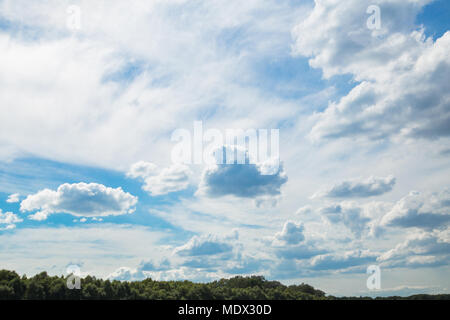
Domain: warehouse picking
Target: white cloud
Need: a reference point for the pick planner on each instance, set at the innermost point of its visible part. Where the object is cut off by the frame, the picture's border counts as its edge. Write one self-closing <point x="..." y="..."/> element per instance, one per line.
<point x="9" y="219"/>
<point x="151" y="265"/>
<point x="101" y="247"/>
<point x="126" y="274"/>
<point x="342" y="261"/>
<point x="207" y="244"/>
<point x="142" y="169"/>
<point x="420" y="250"/>
<point x="267" y="201"/>
<point x="292" y="233"/>
<point x="261" y="180"/>
<point x="360" y="219"/>
<point x="291" y="243"/>
<point x="159" y="182"/>
<point x="354" y="44"/>
<point x="425" y="211"/>
<point x="404" y="89"/>
<point x="174" y="274"/>
<point x="203" y="63"/>
<point x="13" y="198"/>
<point x="79" y="199"/>
<point x="86" y="109"/>
<point x="306" y="210"/>
<point x="404" y="291"/>
<point x="203" y="258"/>
<point x="358" y="188"/>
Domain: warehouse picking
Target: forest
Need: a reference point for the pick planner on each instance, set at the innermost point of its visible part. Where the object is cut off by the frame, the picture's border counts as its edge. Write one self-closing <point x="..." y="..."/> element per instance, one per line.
<point x="45" y="287"/>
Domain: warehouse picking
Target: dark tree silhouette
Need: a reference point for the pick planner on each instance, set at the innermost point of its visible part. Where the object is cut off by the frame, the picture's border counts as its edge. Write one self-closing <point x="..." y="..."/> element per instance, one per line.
<point x="45" y="287"/>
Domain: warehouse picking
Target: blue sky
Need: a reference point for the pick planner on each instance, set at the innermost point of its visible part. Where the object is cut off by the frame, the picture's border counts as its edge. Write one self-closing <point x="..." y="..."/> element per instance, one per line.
<point x="87" y="115"/>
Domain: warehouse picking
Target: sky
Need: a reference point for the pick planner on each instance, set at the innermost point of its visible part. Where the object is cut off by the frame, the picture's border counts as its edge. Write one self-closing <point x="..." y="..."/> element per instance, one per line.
<point x="93" y="94"/>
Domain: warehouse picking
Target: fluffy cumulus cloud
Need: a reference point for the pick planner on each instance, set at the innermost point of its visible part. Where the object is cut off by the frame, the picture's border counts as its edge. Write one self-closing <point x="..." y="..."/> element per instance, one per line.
<point x="8" y="220"/>
<point x="79" y="199"/>
<point x="179" y="273"/>
<point x="325" y="263"/>
<point x="292" y="233"/>
<point x="13" y="198"/>
<point x="343" y="261"/>
<point x="97" y="248"/>
<point x="208" y="244"/>
<point x="358" y="188"/>
<point x="228" y="63"/>
<point x="246" y="264"/>
<point x="159" y="182"/>
<point x="424" y="249"/>
<point x="142" y="169"/>
<point x="352" y="215"/>
<point x="305" y="210"/>
<point x="425" y="211"/>
<point x="250" y="180"/>
<point x="404" y="88"/>
<point x="221" y="254"/>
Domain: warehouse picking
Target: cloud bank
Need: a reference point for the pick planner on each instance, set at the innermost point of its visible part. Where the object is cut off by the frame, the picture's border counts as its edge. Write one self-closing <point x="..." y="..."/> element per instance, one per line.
<point x="358" y="188"/>
<point x="79" y="199"/>
<point x="425" y="211"/>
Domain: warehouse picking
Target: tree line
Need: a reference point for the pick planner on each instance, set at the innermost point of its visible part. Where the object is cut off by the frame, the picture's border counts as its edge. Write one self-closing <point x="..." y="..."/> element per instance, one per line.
<point x="45" y="287"/>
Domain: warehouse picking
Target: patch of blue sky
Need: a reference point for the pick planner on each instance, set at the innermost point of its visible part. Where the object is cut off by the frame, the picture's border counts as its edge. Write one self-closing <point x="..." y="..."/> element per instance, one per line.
<point x="435" y="17"/>
<point x="126" y="73"/>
